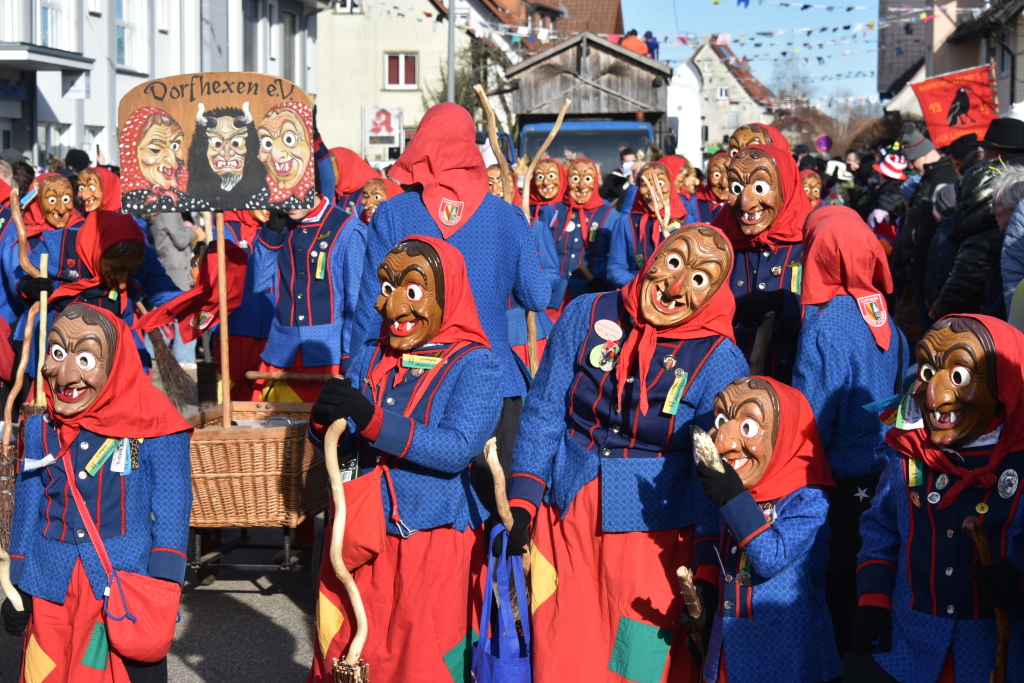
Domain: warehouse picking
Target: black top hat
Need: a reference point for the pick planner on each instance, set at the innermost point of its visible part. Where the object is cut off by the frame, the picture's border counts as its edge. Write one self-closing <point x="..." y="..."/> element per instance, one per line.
<point x="1004" y="134"/>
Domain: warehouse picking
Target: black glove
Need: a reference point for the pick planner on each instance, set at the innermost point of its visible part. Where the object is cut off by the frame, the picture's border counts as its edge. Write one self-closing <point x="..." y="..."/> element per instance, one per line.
<point x="751" y="310"/>
<point x="600" y="284"/>
<point x="340" y="399"/>
<point x="720" y="487"/>
<point x="277" y="221"/>
<point x="708" y="596"/>
<point x="518" y="536"/>
<point x="36" y="286"/>
<point x="871" y="623"/>
<point x="16" y="622"/>
<point x="999" y="584"/>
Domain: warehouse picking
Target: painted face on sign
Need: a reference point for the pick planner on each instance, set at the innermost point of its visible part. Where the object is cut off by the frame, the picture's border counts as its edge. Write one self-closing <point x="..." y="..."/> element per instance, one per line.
<point x="956" y="382"/>
<point x="689" y="269"/>
<point x="746" y="427"/>
<point x="57" y="201"/>
<point x="411" y="299"/>
<point x="547" y="179"/>
<point x="755" y="190"/>
<point x="161" y="151"/>
<point x="374" y="192"/>
<point x="77" y="363"/>
<point x="656" y="177"/>
<point x="494" y="184"/>
<point x="284" y="147"/>
<point x="744" y="136"/>
<point x="582" y="176"/>
<point x="90" y="190"/>
<point x="226" y="149"/>
<point x="718" y="177"/>
<point x="121" y="262"/>
<point x="812" y="186"/>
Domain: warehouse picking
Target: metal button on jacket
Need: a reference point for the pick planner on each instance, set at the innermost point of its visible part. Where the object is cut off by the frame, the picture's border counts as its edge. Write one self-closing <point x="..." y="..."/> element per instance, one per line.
<point x="949" y="533"/>
<point x="949" y="571"/>
<point x="760" y="285"/>
<point x="727" y="604"/>
<point x="615" y="428"/>
<point x="606" y="451"/>
<point x="84" y="446"/>
<point x="81" y="533"/>
<point x="390" y="401"/>
<point x="949" y="610"/>
<point x="82" y="475"/>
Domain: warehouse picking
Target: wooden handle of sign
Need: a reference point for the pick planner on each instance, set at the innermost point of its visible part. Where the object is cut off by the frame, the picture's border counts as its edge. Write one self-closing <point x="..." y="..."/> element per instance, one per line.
<point x="44" y="296"/>
<point x="500" y="494"/>
<point x="973" y="527"/>
<point x="658" y="205"/>
<point x="508" y="190"/>
<point x="334" y="433"/>
<point x="540" y="155"/>
<point x="19" y="375"/>
<point x="19" y="226"/>
<point x="291" y="376"/>
<point x="761" y="342"/>
<point x="222" y="295"/>
<point x="532" y="353"/>
<point x="689" y="593"/>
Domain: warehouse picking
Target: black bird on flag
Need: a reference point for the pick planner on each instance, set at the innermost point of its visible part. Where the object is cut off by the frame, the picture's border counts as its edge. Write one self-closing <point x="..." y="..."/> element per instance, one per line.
<point x="958" y="109"/>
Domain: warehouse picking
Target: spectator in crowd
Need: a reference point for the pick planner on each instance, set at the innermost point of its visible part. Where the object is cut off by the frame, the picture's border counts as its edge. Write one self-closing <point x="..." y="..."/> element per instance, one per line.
<point x="652" y="45"/>
<point x="616" y="183"/>
<point x="172" y="240"/>
<point x="7" y="176"/>
<point x="76" y="160"/>
<point x="965" y="152"/>
<point x="1008" y="209"/>
<point x="942" y="252"/>
<point x="631" y="42"/>
<point x="23" y="175"/>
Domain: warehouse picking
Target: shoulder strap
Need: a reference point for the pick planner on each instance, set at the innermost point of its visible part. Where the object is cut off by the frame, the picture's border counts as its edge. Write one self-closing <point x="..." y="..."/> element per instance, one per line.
<point x="83" y="512"/>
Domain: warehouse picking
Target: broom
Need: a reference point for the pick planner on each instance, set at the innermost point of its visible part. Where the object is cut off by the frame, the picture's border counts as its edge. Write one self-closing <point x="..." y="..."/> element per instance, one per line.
<point x="178" y="386"/>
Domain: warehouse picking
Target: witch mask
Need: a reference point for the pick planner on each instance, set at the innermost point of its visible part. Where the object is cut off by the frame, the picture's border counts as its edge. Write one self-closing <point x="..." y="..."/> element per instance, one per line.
<point x="654" y="177"/>
<point x="812" y="187"/>
<point x="121" y="262"/>
<point x="161" y="151"/>
<point x="744" y="136"/>
<point x="746" y="427"/>
<point x="686" y="180"/>
<point x="956" y="381"/>
<point x="755" y="190"/>
<point x="582" y="175"/>
<point x="80" y="348"/>
<point x="411" y="299"/>
<point x="718" y="177"/>
<point x="57" y="201"/>
<point x="374" y="192"/>
<point x="547" y="180"/>
<point x="494" y="184"/>
<point x="689" y="269"/>
<point x="90" y="190"/>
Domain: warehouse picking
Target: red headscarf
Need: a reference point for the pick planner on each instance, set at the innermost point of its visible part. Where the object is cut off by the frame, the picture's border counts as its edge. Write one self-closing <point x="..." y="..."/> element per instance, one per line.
<point x="789" y="223"/>
<point x="111" y="184"/>
<point x="537" y="200"/>
<point x="131" y="173"/>
<point x="650" y="226"/>
<point x="776" y="138"/>
<point x="460" y="323"/>
<point x="704" y="192"/>
<point x="798" y="458"/>
<point x="353" y="171"/>
<point x="842" y="256"/>
<point x="249" y="226"/>
<point x="674" y="164"/>
<point x="1009" y="364"/>
<point x="444" y="160"/>
<point x="306" y="182"/>
<point x="102" y="230"/>
<point x="5" y="193"/>
<point x="35" y="220"/>
<point x="714" y="317"/>
<point x="128" y="405"/>
<point x="595" y="200"/>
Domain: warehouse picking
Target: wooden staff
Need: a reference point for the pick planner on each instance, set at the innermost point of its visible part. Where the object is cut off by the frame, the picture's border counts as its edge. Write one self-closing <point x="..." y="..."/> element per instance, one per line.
<point x="540" y="155"/>
<point x="761" y="342"/>
<point x="500" y="495"/>
<point x="222" y="294"/>
<point x="44" y="267"/>
<point x="689" y="593"/>
<point x="291" y="376"/>
<point x="973" y="527"/>
<point x="352" y="663"/>
<point x="19" y="377"/>
<point x="508" y="190"/>
<point x="19" y="226"/>
<point x="658" y="204"/>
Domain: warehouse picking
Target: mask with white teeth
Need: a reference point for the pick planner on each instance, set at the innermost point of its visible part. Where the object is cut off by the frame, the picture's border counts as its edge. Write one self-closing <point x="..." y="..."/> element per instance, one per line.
<point x="688" y="269"/>
<point x="755" y="190"/>
<point x="76" y="366"/>
<point x="411" y="299"/>
<point x="746" y="427"/>
<point x="956" y="381"/>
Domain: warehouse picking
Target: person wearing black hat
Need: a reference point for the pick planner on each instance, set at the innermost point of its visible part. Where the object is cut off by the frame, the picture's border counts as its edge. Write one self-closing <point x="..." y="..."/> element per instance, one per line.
<point x="1004" y="140"/>
<point x="965" y="152"/>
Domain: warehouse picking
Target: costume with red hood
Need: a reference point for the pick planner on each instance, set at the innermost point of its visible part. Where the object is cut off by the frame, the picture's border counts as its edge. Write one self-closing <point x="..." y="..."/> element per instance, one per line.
<point x="10" y="303"/>
<point x="541" y="209"/>
<point x="708" y="205"/>
<point x="918" y="566"/>
<point x="580" y="465"/>
<point x="427" y="427"/>
<point x="767" y="263"/>
<point x="140" y="504"/>
<point x="773" y="542"/>
<point x="353" y="174"/>
<point x="675" y="165"/>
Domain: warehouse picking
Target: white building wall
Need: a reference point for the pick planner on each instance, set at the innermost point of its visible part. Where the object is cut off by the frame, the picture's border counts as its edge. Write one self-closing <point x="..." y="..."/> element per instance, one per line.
<point x="719" y="112"/>
<point x="685" y="104"/>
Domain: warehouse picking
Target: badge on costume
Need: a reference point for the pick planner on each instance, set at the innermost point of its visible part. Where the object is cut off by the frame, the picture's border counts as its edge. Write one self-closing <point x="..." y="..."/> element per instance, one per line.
<point x="639" y="260"/>
<point x="776" y="270"/>
<point x="321" y="266"/>
<point x="872" y="309"/>
<point x="933" y="497"/>
<point x="674" y="225"/>
<point x="1007" y="485"/>
<point x="883" y="404"/>
<point x="796" y="276"/>
<point x="410" y="360"/>
<point x="113" y="294"/>
<point x="593" y="232"/>
<point x="915" y="499"/>
<point x="103" y="454"/>
<point x="675" y="394"/>
<point x="120" y="458"/>
<point x="668" y="362"/>
<point x="201" y="320"/>
<point x="608" y="330"/>
<point x="450" y="211"/>
<point x="915" y="474"/>
<point x="941" y="482"/>
<point x="605" y="356"/>
<point x="570" y="226"/>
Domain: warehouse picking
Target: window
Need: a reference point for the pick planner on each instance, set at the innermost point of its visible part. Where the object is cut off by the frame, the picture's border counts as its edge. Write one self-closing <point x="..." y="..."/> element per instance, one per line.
<point x="129" y="21"/>
<point x="93" y="138"/>
<point x="709" y="66"/>
<point x="52" y="24"/>
<point x="732" y="120"/>
<point x="347" y="7"/>
<point x="289" y="30"/>
<point x="250" y="35"/>
<point x="162" y="15"/>
<point x="723" y="92"/>
<point x="51" y="138"/>
<point x="1005" y="56"/>
<point x="400" y="71"/>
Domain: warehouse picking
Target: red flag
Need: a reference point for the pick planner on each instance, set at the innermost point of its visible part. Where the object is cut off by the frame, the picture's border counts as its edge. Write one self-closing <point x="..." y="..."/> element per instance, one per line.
<point x="956" y="104"/>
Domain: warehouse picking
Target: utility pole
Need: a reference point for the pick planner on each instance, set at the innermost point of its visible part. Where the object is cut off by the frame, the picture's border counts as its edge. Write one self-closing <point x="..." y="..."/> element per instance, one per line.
<point x="451" y="50"/>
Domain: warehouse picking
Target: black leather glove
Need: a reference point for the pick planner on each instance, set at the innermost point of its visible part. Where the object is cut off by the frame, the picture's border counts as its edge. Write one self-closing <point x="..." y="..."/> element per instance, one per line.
<point x="708" y="596"/>
<point x="277" y="221"/>
<point x="999" y="584"/>
<point x="751" y="310"/>
<point x="340" y="399"/>
<point x="871" y="623"/>
<point x="36" y="286"/>
<point x="600" y="284"/>
<point x="720" y="487"/>
<point x="16" y="622"/>
<point x="518" y="536"/>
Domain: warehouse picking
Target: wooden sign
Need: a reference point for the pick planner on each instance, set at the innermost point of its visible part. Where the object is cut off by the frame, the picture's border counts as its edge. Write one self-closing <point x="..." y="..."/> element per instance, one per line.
<point x="216" y="142"/>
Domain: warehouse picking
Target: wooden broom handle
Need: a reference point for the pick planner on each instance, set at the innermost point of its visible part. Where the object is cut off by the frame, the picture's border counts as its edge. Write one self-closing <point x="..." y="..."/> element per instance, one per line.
<point x="291" y="376"/>
<point x="44" y="267"/>
<point x="658" y="204"/>
<point x="508" y="189"/>
<point x="222" y="295"/>
<point x="689" y="592"/>
<point x="973" y="527"/>
<point x="540" y="155"/>
<point x="19" y="226"/>
<point x="334" y="433"/>
<point x="19" y="377"/>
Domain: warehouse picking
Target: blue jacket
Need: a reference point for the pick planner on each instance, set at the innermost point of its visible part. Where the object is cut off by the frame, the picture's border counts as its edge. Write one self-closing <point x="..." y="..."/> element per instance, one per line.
<point x="771" y="621"/>
<point x="920" y="557"/>
<point x="517" y="334"/>
<point x="429" y="451"/>
<point x="840" y="369"/>
<point x="501" y="260"/>
<point x="255" y="314"/>
<point x="143" y="517"/>
<point x="629" y="249"/>
<point x="316" y="299"/>
<point x="11" y="304"/>
<point x="570" y="434"/>
<point x="706" y="210"/>
<point x="542" y="212"/>
<point x="580" y="238"/>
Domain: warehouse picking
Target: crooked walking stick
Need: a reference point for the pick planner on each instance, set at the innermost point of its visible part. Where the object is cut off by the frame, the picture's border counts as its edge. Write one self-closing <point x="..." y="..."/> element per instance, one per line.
<point x="19" y="226"/>
<point x="352" y="669"/>
<point x="44" y="267"/>
<point x="658" y="205"/>
<point x="500" y="495"/>
<point x="973" y="527"/>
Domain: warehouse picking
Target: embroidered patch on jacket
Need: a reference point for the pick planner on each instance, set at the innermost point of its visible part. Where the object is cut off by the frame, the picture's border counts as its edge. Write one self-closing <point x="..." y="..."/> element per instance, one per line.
<point x="872" y="309"/>
<point x="450" y="212"/>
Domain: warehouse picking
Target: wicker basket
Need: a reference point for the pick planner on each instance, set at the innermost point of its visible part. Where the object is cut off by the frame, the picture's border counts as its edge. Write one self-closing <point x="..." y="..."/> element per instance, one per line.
<point x="247" y="477"/>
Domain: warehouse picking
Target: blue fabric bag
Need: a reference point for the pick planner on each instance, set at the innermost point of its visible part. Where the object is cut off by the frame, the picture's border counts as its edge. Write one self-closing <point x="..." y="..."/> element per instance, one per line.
<point x="502" y="656"/>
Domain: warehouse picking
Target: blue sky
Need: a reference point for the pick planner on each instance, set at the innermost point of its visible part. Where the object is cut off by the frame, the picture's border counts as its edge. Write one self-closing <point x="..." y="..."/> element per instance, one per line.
<point x="704" y="17"/>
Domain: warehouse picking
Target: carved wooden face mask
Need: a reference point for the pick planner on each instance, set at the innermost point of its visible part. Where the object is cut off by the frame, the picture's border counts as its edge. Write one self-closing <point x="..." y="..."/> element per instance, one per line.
<point x="90" y="190"/>
<point x="657" y="175"/>
<point x="744" y="136"/>
<point x="812" y="186"/>
<point x="411" y="297"/>
<point x="77" y="364"/>
<point x="685" y="180"/>
<point x="57" y="201"/>
<point x="547" y="179"/>
<point x="956" y="379"/>
<point x="494" y="184"/>
<point x="718" y="177"/>
<point x="746" y="427"/>
<point x="582" y="175"/>
<point x="374" y="192"/>
<point x="755" y="191"/>
<point x="689" y="269"/>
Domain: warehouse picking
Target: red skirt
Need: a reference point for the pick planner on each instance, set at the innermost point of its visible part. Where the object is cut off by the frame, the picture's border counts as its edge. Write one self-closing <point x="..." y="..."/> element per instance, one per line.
<point x="245" y="356"/>
<point x="68" y="643"/>
<point x="606" y="606"/>
<point x="418" y="606"/>
<point x="278" y="391"/>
